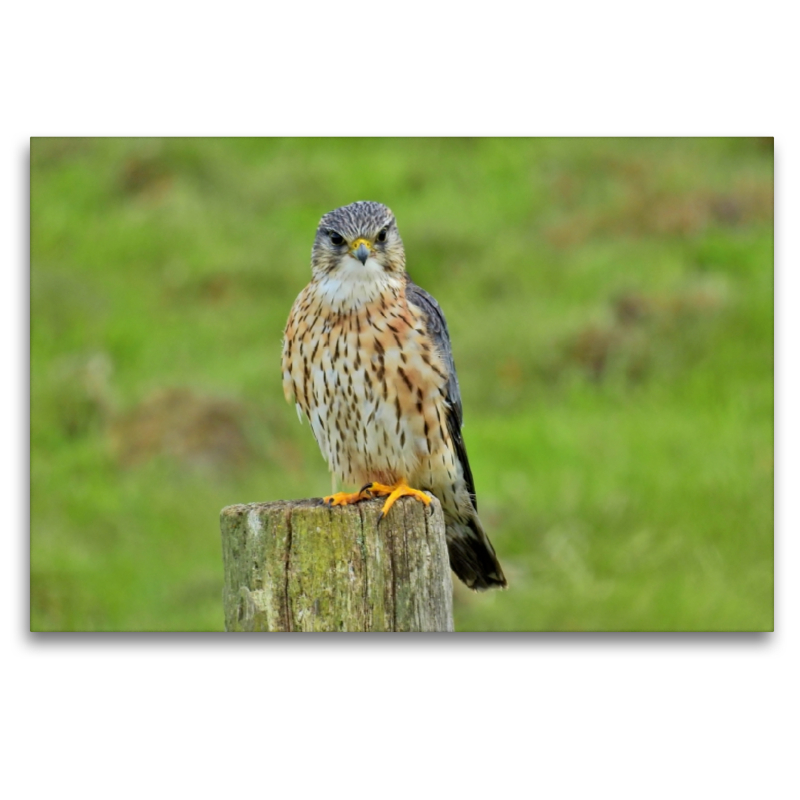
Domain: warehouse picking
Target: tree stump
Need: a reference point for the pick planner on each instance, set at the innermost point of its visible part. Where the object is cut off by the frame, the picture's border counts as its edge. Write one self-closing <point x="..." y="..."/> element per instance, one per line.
<point x="297" y="565"/>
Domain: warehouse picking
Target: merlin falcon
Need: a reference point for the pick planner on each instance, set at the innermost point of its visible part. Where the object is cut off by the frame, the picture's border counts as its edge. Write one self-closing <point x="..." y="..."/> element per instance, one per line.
<point x="367" y="359"/>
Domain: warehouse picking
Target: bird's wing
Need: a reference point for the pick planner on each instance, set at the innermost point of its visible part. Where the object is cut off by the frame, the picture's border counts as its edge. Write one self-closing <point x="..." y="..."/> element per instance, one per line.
<point x="437" y="330"/>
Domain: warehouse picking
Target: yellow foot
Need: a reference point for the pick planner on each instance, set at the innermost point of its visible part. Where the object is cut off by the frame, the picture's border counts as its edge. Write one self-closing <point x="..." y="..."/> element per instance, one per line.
<point x="344" y="498"/>
<point x="400" y="489"/>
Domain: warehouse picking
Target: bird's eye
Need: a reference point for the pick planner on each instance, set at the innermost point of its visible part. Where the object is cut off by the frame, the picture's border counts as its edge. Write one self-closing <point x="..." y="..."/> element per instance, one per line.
<point x="336" y="238"/>
<point x="382" y="235"/>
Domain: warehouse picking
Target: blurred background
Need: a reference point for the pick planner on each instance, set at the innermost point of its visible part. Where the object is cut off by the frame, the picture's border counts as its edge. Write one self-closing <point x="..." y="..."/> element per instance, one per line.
<point x="610" y="303"/>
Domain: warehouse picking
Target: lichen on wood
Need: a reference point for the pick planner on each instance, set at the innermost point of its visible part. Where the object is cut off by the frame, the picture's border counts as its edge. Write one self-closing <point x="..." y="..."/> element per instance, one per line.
<point x="299" y="565"/>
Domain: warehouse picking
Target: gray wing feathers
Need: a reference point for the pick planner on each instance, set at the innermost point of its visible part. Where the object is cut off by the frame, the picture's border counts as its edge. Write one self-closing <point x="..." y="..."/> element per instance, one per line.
<point x="437" y="330"/>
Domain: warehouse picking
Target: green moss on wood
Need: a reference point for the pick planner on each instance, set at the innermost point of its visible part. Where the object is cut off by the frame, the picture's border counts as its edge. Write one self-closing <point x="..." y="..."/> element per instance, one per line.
<point x="300" y="566"/>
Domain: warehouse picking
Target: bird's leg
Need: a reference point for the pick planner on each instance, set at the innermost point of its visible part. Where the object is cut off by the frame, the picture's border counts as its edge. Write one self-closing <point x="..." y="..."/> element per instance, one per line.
<point x="344" y="498"/>
<point x="400" y="489"/>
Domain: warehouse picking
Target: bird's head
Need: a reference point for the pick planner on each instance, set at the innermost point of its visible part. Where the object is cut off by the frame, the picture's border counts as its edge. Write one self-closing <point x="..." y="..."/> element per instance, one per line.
<point x="358" y="243"/>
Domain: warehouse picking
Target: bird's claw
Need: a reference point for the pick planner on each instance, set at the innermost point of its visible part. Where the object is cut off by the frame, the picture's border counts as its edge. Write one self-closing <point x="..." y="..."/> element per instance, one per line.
<point x="394" y="493"/>
<point x="343" y="498"/>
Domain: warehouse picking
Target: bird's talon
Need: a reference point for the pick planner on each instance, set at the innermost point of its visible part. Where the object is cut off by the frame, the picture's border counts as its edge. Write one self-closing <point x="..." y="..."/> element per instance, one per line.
<point x="394" y="493"/>
<point x="343" y="498"/>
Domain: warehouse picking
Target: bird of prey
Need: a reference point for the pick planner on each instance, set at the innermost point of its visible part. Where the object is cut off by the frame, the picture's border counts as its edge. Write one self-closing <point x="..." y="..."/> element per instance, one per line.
<point x="367" y="359"/>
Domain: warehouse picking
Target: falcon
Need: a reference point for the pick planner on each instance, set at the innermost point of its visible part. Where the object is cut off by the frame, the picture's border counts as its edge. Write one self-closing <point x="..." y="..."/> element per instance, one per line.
<point x="367" y="359"/>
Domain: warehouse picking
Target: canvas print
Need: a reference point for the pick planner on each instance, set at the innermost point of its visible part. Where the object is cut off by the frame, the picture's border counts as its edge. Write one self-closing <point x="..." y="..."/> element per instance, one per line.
<point x="415" y="384"/>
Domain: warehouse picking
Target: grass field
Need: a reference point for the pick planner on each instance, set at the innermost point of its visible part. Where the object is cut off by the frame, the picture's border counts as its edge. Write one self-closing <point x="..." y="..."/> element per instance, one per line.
<point x="610" y="303"/>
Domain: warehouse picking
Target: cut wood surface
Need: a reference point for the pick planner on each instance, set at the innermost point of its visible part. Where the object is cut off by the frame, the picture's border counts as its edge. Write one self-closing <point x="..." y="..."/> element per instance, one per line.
<point x="297" y="565"/>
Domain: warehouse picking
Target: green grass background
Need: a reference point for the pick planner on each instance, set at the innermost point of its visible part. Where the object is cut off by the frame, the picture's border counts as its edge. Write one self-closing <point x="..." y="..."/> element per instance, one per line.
<point x="610" y="303"/>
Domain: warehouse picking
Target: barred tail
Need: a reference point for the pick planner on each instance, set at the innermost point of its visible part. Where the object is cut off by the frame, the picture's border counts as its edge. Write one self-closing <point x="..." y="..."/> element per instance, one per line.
<point x="472" y="556"/>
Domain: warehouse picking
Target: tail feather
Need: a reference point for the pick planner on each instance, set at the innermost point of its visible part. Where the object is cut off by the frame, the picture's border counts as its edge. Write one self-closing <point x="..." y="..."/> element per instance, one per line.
<point x="472" y="556"/>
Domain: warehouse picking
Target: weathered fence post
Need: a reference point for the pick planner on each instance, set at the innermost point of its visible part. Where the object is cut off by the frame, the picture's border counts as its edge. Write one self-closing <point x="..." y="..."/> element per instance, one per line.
<point x="301" y="566"/>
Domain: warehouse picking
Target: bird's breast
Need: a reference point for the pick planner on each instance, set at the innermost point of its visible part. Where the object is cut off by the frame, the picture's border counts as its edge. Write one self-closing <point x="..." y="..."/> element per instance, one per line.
<point x="371" y="384"/>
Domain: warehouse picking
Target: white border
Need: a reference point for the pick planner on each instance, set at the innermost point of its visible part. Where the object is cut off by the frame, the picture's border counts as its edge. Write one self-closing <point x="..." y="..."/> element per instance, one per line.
<point x="556" y="715"/>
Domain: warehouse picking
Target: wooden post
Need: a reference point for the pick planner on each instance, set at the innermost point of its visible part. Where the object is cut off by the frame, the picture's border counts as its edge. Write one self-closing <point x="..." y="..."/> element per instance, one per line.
<point x="297" y="565"/>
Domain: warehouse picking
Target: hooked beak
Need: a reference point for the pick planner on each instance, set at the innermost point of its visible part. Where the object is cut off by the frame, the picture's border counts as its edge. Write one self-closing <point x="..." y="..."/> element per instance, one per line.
<point x="361" y="250"/>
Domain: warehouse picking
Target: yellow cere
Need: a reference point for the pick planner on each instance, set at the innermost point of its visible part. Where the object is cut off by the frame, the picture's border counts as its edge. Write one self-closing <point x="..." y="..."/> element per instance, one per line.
<point x="357" y="242"/>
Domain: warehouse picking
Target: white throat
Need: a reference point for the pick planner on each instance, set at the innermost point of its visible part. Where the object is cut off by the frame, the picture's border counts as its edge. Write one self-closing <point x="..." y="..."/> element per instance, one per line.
<point x="353" y="284"/>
